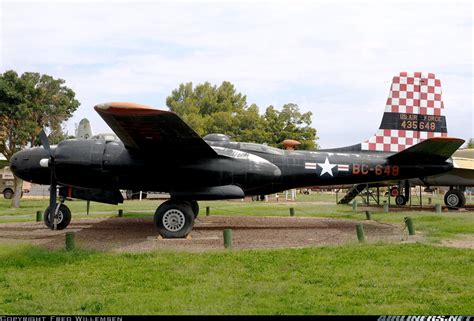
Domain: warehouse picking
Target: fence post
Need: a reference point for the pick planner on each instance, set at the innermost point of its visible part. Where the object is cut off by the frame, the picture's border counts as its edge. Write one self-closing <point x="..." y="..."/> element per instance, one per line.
<point x="368" y="216"/>
<point x="227" y="238"/>
<point x="360" y="232"/>
<point x="69" y="241"/>
<point x="409" y="224"/>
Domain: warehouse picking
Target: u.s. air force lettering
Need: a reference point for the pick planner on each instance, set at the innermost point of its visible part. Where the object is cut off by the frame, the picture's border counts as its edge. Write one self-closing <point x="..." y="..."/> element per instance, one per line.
<point x="418" y="122"/>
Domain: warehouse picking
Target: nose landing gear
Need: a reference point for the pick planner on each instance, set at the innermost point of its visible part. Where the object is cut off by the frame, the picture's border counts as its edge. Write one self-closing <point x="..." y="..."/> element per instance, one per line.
<point x="62" y="216"/>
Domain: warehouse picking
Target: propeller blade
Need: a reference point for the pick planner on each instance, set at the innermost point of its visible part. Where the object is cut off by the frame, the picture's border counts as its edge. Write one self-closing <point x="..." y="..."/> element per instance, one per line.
<point x="53" y="184"/>
<point x="45" y="141"/>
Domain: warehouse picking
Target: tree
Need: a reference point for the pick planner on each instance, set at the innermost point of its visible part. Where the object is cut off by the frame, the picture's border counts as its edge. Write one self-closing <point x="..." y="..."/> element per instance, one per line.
<point x="470" y="143"/>
<point x="29" y="103"/>
<point x="290" y="123"/>
<point x="221" y="109"/>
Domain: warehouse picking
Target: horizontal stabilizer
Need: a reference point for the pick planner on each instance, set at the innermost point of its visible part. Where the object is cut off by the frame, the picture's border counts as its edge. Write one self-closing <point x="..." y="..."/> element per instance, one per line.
<point x="430" y="151"/>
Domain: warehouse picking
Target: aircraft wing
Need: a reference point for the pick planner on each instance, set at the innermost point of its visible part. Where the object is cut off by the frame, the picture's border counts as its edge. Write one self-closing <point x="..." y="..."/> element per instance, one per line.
<point x="430" y="151"/>
<point x="151" y="131"/>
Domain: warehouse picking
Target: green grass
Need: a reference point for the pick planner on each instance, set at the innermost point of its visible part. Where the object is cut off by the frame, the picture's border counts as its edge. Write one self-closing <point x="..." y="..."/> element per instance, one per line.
<point x="367" y="279"/>
<point x="354" y="279"/>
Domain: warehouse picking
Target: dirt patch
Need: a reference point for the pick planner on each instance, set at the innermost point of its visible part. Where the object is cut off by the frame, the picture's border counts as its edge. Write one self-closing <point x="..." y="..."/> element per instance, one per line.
<point x="466" y="242"/>
<point x="139" y="235"/>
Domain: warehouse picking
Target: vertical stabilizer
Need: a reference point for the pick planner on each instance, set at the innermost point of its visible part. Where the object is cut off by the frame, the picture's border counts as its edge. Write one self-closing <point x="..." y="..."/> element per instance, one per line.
<point x="84" y="130"/>
<point x="413" y="113"/>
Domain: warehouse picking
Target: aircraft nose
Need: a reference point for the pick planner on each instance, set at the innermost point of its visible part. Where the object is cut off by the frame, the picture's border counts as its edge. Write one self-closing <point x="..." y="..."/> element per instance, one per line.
<point x="26" y="164"/>
<point x="18" y="164"/>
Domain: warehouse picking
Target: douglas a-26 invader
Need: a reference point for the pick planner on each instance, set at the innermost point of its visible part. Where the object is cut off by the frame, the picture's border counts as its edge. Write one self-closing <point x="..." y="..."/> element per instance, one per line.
<point x="159" y="152"/>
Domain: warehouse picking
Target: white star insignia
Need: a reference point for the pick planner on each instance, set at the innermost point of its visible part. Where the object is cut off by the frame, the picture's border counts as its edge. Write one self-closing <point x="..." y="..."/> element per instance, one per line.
<point x="326" y="167"/>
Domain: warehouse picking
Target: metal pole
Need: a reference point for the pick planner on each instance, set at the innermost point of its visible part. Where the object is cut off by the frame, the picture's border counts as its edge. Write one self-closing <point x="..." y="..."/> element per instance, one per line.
<point x="421" y="198"/>
<point x="208" y="211"/>
<point x="378" y="195"/>
<point x="38" y="216"/>
<point x="292" y="211"/>
<point x="367" y="189"/>
<point x="120" y="213"/>
<point x="88" y="206"/>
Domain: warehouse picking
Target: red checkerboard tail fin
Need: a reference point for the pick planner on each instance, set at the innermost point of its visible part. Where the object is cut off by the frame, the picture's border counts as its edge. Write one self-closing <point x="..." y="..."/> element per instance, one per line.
<point x="414" y="112"/>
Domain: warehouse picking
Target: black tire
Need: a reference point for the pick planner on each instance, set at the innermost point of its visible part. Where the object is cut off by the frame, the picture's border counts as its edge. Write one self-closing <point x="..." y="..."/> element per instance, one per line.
<point x="454" y="199"/>
<point x="400" y="200"/>
<point x="64" y="217"/>
<point x="8" y="193"/>
<point x="174" y="219"/>
<point x="195" y="207"/>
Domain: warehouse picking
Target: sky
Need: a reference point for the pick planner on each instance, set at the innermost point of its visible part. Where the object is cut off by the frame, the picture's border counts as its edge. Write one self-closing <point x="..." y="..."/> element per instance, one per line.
<point x="333" y="58"/>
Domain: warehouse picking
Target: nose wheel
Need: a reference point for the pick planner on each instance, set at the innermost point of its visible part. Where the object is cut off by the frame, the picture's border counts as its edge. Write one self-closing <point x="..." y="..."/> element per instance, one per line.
<point x="62" y="215"/>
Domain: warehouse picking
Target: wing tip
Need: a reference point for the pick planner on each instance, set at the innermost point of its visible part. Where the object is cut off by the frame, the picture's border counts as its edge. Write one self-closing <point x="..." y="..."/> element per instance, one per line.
<point x="448" y="139"/>
<point x="121" y="105"/>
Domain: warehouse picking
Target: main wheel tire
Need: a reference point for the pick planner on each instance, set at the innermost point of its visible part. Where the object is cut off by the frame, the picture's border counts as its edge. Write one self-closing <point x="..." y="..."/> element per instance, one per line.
<point x="454" y="199"/>
<point x="8" y="194"/>
<point x="174" y="219"/>
<point x="400" y="200"/>
<point x="195" y="207"/>
<point x="63" y="218"/>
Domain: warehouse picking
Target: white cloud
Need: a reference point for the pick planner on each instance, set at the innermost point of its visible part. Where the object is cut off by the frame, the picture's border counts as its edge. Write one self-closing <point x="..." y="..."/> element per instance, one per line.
<point x="274" y="52"/>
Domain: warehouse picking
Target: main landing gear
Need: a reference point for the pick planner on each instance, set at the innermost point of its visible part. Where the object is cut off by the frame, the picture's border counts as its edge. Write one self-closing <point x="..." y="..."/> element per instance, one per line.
<point x="175" y="218"/>
<point x="454" y="198"/>
<point x="397" y="192"/>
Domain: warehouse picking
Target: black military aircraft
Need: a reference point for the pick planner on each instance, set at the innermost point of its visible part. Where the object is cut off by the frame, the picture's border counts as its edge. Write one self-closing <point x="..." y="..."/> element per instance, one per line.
<point x="158" y="151"/>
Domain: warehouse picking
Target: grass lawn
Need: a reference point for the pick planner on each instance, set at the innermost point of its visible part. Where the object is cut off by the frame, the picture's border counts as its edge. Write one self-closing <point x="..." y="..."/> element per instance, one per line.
<point x="356" y="279"/>
<point x="367" y="279"/>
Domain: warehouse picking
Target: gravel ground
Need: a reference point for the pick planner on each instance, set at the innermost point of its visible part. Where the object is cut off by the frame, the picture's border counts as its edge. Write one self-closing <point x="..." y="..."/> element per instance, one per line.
<point x="139" y="235"/>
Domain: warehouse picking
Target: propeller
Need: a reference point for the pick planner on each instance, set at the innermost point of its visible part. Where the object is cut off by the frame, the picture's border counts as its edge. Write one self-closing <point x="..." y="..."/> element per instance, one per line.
<point x="53" y="183"/>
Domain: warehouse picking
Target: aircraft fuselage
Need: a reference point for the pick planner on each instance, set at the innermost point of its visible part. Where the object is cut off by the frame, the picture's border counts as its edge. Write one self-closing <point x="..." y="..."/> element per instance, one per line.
<point x="101" y="165"/>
